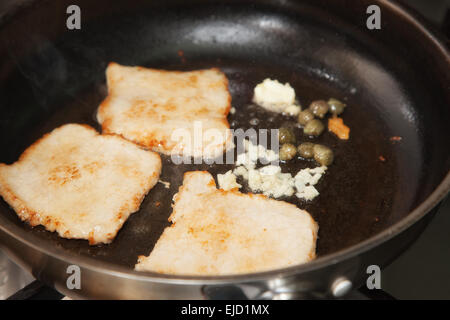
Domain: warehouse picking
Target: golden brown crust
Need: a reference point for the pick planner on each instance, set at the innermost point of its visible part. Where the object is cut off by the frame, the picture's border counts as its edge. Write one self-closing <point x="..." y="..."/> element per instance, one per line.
<point x="58" y="175"/>
<point x="217" y="232"/>
<point x="124" y="120"/>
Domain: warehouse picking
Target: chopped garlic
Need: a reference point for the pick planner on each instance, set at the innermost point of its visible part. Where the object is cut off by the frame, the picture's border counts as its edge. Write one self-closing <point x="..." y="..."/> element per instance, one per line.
<point x="254" y="180"/>
<point x="244" y="159"/>
<point x="241" y="171"/>
<point x="275" y="96"/>
<point x="270" y="170"/>
<point x="233" y="110"/>
<point x="293" y="110"/>
<point x="270" y="180"/>
<point x="307" y="193"/>
<point x="309" y="176"/>
<point x="256" y="152"/>
<point x="277" y="185"/>
<point x="306" y="179"/>
<point x="227" y="181"/>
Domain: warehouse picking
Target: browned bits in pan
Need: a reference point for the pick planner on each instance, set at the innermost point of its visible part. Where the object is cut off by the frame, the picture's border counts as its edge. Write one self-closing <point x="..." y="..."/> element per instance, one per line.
<point x="181" y="55"/>
<point x="395" y="139"/>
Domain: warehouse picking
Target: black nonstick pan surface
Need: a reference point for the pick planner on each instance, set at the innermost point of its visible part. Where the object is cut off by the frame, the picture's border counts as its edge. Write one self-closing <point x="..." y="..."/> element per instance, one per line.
<point x="50" y="76"/>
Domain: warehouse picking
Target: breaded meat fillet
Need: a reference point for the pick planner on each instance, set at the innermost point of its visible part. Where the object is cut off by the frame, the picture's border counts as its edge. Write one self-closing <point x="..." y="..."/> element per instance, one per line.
<point x="78" y="183"/>
<point x="217" y="232"/>
<point x="172" y="112"/>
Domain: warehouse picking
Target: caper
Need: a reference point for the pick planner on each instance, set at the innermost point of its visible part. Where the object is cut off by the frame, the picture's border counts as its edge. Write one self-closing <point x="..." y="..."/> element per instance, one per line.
<point x="287" y="151"/>
<point x="305" y="116"/>
<point x="323" y="154"/>
<point x="306" y="150"/>
<point x="319" y="108"/>
<point x="336" y="106"/>
<point x="314" y="128"/>
<point x="286" y="135"/>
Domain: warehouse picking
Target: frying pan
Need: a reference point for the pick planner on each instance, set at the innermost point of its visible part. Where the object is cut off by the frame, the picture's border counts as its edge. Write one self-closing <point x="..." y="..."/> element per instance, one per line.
<point x="395" y="81"/>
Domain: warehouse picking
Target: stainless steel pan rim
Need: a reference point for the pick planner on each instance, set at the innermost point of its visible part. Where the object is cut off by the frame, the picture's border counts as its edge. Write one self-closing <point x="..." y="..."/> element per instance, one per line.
<point x="119" y="271"/>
